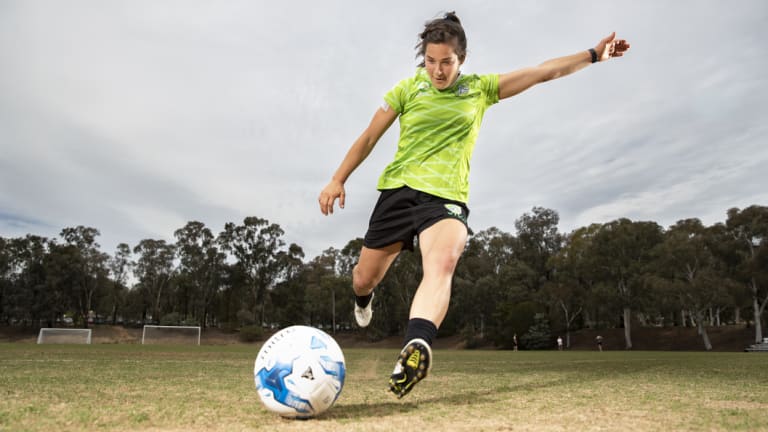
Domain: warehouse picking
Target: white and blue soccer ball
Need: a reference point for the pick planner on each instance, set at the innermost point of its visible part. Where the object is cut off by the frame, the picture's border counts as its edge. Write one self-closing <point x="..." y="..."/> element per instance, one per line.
<point x="299" y="372"/>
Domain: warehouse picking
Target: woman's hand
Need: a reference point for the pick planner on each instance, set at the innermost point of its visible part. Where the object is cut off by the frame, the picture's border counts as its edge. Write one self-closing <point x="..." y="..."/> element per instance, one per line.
<point x="611" y="47"/>
<point x="381" y="121"/>
<point x="329" y="194"/>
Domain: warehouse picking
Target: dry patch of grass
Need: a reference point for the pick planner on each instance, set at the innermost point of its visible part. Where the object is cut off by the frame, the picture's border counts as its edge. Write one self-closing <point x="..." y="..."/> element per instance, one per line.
<point x="174" y="388"/>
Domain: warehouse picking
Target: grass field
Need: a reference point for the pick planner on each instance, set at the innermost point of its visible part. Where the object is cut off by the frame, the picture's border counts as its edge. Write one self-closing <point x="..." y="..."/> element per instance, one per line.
<point x="210" y="388"/>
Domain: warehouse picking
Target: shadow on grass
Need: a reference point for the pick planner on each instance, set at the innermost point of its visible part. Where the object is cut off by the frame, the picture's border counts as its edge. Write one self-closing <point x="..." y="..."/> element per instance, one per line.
<point x="456" y="395"/>
<point x="413" y="402"/>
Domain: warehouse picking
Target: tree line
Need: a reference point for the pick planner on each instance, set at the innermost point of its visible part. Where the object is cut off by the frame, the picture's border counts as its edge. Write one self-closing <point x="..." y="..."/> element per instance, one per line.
<point x="533" y="283"/>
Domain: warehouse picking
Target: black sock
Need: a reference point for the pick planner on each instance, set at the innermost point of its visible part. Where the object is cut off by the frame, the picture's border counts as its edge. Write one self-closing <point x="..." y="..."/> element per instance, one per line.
<point x="421" y="329"/>
<point x="363" y="301"/>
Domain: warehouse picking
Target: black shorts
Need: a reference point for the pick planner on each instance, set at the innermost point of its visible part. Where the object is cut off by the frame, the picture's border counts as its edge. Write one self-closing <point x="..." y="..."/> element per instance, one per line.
<point x="403" y="213"/>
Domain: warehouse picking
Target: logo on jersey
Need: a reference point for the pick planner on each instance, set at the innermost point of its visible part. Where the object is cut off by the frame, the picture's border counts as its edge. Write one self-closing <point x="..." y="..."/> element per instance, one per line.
<point x="462" y="90"/>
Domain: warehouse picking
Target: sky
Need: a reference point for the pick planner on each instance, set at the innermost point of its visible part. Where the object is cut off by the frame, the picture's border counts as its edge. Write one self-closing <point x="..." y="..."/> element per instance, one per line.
<point x="135" y="117"/>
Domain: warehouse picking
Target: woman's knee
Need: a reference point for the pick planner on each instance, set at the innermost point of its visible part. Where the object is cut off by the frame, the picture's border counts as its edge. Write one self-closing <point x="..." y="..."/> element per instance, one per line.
<point x="372" y="266"/>
<point x="443" y="263"/>
<point x="362" y="282"/>
<point x="444" y="243"/>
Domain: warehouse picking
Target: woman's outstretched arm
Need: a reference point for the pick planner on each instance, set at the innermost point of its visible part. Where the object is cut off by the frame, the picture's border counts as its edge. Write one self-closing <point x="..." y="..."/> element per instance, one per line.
<point x="361" y="148"/>
<point x="520" y="80"/>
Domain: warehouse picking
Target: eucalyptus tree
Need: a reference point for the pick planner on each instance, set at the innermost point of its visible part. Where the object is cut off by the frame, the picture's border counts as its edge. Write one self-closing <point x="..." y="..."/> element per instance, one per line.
<point x="64" y="272"/>
<point x="27" y="294"/>
<point x="621" y="252"/>
<point x="347" y="258"/>
<point x="287" y="296"/>
<point x="119" y="267"/>
<point x="5" y="279"/>
<point x="475" y="291"/>
<point x="137" y="305"/>
<point x="394" y="295"/>
<point x="695" y="274"/>
<point x="328" y="294"/>
<point x="317" y="305"/>
<point x="488" y="283"/>
<point x="749" y="229"/>
<point x="233" y="296"/>
<point x="343" y="264"/>
<point x="331" y="273"/>
<point x="327" y="285"/>
<point x="574" y="277"/>
<point x="342" y="301"/>
<point x="154" y="268"/>
<point x="291" y="261"/>
<point x="92" y="266"/>
<point x="537" y="240"/>
<point x="738" y="297"/>
<point x="201" y="261"/>
<point x="255" y="245"/>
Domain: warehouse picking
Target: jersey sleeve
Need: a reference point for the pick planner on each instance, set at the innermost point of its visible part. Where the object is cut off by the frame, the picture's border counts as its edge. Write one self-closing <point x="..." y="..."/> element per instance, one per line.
<point x="490" y="86"/>
<point x="397" y="97"/>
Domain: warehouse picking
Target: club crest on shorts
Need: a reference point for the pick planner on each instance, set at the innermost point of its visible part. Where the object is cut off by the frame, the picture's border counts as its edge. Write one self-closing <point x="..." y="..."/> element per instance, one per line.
<point x="454" y="210"/>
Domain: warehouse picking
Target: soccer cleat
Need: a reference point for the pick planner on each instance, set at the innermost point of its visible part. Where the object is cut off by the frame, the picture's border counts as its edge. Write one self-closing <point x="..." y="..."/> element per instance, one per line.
<point x="413" y="365"/>
<point x="363" y="315"/>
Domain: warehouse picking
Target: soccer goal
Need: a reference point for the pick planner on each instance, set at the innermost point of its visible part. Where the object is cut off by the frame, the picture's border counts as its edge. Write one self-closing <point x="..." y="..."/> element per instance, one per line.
<point x="64" y="336"/>
<point x="158" y="334"/>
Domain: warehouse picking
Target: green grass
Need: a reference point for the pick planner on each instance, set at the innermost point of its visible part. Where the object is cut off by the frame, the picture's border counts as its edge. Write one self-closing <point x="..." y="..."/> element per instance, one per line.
<point x="209" y="388"/>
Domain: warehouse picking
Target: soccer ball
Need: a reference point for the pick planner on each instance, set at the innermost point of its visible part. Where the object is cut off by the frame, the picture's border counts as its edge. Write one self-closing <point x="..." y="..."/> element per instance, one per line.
<point x="299" y="372"/>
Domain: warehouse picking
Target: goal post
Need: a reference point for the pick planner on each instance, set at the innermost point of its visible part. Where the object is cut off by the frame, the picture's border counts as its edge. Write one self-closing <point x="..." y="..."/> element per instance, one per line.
<point x="160" y="334"/>
<point x="64" y="336"/>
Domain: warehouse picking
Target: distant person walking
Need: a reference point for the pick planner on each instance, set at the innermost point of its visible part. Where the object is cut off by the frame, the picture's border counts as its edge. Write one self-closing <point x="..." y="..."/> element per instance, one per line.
<point x="424" y="191"/>
<point x="514" y="341"/>
<point x="599" y="340"/>
<point x="559" y="343"/>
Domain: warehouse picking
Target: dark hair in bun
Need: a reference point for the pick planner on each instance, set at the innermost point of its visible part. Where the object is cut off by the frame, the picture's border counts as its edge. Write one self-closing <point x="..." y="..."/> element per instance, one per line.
<point x="447" y="29"/>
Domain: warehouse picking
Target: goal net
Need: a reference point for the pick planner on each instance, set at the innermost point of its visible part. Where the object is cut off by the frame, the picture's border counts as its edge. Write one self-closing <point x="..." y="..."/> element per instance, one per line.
<point x="158" y="334"/>
<point x="64" y="336"/>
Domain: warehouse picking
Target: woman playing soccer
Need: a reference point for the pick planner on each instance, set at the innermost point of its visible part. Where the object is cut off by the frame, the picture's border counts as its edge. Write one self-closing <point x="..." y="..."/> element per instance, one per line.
<point x="424" y="191"/>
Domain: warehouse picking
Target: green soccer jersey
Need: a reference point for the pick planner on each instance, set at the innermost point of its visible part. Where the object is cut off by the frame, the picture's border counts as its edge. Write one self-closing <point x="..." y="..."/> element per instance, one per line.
<point x="438" y="131"/>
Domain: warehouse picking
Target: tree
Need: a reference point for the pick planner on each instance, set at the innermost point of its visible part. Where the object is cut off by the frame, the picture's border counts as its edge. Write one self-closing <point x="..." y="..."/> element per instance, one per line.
<point x="395" y="294"/>
<point x="233" y="296"/>
<point x="201" y="261"/>
<point x="348" y="256"/>
<point x="518" y="318"/>
<point x="63" y="265"/>
<point x="488" y="283"/>
<point x="621" y="251"/>
<point x="686" y="260"/>
<point x="737" y="295"/>
<point x="537" y="240"/>
<point x="749" y="228"/>
<point x="538" y="335"/>
<point x="119" y="266"/>
<point x="574" y="276"/>
<point x="473" y="291"/>
<point x="289" y="294"/>
<point x="92" y="266"/>
<point x="27" y="295"/>
<point x="255" y="245"/>
<point x="320" y="295"/>
<point x="5" y="279"/>
<point x="154" y="269"/>
<point x="567" y="298"/>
